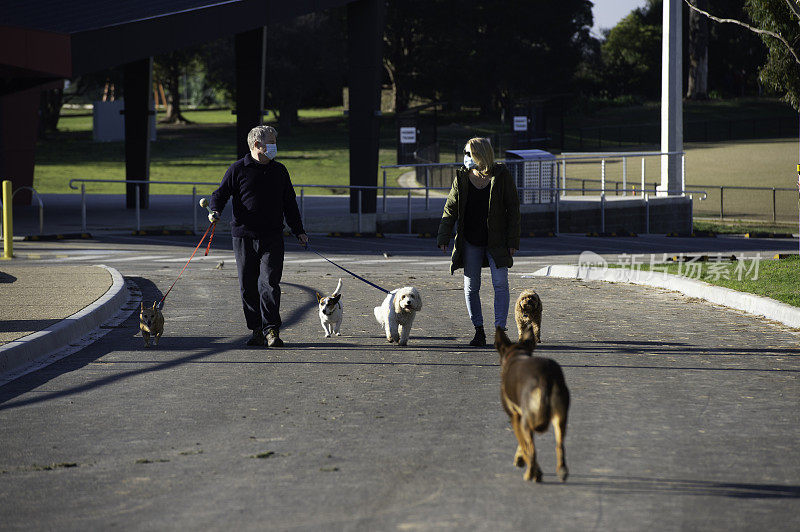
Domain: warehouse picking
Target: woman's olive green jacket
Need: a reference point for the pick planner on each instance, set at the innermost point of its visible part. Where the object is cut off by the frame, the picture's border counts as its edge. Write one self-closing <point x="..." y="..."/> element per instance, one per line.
<point x="503" y="219"/>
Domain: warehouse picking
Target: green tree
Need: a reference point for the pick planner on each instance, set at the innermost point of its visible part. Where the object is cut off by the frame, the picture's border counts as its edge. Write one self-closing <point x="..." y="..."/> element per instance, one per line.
<point x="734" y="56"/>
<point x="305" y="64"/>
<point x="779" y="25"/>
<point x="631" y="53"/>
<point x="410" y="33"/>
<point x="777" y="22"/>
<point x="488" y="53"/>
<point x="168" y="69"/>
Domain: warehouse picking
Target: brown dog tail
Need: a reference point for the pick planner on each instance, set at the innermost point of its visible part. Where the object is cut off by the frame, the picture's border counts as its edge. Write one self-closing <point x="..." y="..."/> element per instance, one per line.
<point x="536" y="406"/>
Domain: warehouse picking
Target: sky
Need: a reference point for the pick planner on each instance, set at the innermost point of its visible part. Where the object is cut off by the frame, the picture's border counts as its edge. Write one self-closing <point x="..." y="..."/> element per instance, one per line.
<point x="608" y="12"/>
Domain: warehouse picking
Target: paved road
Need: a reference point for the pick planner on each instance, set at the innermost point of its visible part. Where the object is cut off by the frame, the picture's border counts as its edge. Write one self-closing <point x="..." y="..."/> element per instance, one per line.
<point x="684" y="414"/>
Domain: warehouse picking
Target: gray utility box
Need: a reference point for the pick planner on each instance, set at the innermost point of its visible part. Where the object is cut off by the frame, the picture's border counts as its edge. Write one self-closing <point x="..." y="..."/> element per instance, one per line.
<point x="535" y="173"/>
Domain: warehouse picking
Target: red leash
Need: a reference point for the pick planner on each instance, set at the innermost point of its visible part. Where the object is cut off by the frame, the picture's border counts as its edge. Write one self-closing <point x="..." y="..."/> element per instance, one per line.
<point x="211" y="227"/>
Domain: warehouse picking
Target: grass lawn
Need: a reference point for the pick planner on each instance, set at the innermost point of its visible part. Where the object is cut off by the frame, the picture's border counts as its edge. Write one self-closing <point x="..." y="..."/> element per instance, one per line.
<point x="316" y="153"/>
<point x="740" y="228"/>
<point x="776" y="279"/>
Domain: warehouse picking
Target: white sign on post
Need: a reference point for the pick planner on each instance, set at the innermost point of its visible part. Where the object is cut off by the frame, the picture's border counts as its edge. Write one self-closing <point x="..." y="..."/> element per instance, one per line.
<point x="408" y="135"/>
<point x="520" y="123"/>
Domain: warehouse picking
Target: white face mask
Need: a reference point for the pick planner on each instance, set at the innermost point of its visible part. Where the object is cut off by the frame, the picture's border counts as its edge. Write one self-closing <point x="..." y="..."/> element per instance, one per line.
<point x="270" y="150"/>
<point x="469" y="163"/>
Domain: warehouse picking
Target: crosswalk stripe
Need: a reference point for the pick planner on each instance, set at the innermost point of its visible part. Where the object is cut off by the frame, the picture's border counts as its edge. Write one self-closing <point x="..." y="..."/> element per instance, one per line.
<point x="74" y="258"/>
<point x="385" y="261"/>
<point x="136" y="258"/>
<point x="230" y="258"/>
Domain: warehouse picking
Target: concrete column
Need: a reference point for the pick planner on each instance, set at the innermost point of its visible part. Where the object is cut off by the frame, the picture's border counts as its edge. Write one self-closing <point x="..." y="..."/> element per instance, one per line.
<point x="250" y="49"/>
<point x="19" y="123"/>
<point x="365" y="19"/>
<point x="138" y="87"/>
<point x="671" y="98"/>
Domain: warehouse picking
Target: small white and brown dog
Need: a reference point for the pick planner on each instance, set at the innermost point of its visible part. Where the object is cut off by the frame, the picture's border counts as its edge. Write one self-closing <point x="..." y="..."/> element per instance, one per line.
<point x="330" y="311"/>
<point x="396" y="313"/>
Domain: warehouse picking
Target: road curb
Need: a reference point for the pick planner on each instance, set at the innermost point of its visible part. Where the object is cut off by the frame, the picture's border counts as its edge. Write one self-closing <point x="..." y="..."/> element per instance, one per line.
<point x="750" y="303"/>
<point x="41" y="343"/>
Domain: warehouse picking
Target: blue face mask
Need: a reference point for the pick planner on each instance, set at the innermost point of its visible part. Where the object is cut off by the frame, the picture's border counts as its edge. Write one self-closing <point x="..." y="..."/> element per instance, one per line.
<point x="469" y="163"/>
<point x="270" y="150"/>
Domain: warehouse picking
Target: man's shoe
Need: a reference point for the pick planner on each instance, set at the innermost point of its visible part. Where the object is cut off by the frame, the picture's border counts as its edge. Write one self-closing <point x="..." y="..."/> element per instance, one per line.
<point x="257" y="338"/>
<point x="480" y="338"/>
<point x="273" y="340"/>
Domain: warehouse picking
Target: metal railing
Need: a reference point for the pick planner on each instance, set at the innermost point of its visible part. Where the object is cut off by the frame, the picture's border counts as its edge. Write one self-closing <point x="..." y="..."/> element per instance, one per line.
<point x="137" y="198"/>
<point x="195" y="184"/>
<point x="771" y="194"/>
<point x="758" y="209"/>
<point x="556" y="193"/>
<point x="558" y="164"/>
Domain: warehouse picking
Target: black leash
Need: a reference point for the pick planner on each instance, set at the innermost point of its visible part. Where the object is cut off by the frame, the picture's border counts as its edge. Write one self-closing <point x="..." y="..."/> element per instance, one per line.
<point x="345" y="269"/>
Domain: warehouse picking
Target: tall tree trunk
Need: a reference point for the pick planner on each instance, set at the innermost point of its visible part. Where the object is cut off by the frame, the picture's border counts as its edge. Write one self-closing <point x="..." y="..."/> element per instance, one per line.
<point x="400" y="94"/>
<point x="173" y="86"/>
<point x="50" y="111"/>
<point x="287" y="118"/>
<point x="697" y="88"/>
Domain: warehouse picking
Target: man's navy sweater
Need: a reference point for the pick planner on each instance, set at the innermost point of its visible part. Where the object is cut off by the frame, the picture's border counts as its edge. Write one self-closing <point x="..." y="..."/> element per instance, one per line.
<point x="261" y="196"/>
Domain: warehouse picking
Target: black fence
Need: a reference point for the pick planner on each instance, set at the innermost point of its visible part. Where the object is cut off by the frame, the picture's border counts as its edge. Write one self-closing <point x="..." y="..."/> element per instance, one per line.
<point x="601" y="137"/>
<point x="591" y="138"/>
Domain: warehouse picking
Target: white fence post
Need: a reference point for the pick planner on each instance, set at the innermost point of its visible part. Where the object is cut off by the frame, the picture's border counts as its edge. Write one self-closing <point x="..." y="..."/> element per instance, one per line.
<point x="194" y="209"/>
<point x="138" y="215"/>
<point x="409" y="212"/>
<point x="624" y="176"/>
<point x="603" y="177"/>
<point x="83" y="207"/>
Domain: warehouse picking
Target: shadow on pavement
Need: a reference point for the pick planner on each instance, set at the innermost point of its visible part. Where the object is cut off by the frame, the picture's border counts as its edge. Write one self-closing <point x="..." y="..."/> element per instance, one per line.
<point x="680" y="349"/>
<point x="79" y="360"/>
<point x="630" y="485"/>
<point x="26" y="325"/>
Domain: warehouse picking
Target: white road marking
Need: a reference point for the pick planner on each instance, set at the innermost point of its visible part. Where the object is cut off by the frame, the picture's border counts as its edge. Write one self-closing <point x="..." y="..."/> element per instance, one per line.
<point x="137" y="258"/>
<point x="230" y="258"/>
<point x="384" y="261"/>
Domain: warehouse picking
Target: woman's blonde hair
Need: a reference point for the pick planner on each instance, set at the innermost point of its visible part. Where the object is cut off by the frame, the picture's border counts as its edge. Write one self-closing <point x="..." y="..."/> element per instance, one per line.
<point x="482" y="153"/>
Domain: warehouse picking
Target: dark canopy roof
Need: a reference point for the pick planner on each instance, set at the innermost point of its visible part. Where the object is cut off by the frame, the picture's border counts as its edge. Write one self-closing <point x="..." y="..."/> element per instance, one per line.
<point x="51" y="39"/>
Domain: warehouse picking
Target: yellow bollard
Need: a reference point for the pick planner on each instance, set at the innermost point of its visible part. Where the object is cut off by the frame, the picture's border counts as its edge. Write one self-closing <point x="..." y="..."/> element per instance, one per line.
<point x="8" y="231"/>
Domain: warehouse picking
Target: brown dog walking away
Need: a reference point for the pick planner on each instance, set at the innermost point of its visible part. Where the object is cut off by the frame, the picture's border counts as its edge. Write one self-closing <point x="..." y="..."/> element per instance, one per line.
<point x="151" y="322"/>
<point x="534" y="395"/>
<point x="528" y="312"/>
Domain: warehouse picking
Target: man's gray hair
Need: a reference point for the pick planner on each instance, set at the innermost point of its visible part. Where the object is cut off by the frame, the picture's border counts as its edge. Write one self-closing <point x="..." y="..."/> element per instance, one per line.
<point x="260" y="134"/>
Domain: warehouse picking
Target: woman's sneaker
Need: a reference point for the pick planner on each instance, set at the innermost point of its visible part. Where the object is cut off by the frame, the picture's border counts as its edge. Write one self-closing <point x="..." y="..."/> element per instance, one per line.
<point x="480" y="338"/>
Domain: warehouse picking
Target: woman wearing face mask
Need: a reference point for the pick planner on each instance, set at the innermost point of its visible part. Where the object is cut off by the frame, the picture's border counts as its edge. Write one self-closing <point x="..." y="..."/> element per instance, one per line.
<point x="484" y="202"/>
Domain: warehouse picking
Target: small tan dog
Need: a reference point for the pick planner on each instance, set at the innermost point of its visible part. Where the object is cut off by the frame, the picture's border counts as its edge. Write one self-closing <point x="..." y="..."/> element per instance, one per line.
<point x="534" y="395"/>
<point x="151" y="322"/>
<point x="528" y="312"/>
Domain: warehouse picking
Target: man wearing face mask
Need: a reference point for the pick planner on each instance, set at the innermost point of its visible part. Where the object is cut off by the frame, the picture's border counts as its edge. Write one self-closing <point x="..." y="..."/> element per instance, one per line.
<point x="262" y="196"/>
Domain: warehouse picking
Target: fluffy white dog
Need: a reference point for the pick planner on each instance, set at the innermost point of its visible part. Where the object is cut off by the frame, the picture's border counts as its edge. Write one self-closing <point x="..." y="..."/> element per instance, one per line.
<point x="397" y="312"/>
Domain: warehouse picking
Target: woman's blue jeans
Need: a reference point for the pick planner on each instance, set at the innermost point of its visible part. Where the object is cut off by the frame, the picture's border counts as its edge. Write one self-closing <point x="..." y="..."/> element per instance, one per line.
<point x="473" y="260"/>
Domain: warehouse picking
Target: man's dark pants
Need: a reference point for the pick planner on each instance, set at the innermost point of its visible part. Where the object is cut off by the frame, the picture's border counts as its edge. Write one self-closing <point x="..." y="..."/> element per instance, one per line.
<point x="260" y="265"/>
